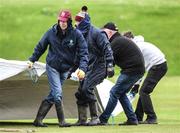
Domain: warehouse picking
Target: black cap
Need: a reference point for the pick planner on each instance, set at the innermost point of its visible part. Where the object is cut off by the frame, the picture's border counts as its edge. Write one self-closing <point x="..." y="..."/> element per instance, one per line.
<point x="111" y="26"/>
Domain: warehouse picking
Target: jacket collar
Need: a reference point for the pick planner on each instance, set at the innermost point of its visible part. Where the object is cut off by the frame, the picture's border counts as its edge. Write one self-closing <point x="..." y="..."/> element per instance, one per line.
<point x="117" y="34"/>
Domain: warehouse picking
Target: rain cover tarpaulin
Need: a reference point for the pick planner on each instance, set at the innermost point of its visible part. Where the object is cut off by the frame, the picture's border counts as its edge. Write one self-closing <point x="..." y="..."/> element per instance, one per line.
<point x="20" y="97"/>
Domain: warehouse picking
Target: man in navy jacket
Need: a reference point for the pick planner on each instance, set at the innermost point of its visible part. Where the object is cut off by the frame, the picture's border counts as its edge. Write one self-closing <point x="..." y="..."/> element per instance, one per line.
<point x="67" y="48"/>
<point x="100" y="65"/>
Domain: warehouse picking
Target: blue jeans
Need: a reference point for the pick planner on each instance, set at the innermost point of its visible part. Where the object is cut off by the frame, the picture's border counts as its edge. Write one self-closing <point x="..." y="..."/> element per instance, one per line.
<point x="55" y="80"/>
<point x="118" y="92"/>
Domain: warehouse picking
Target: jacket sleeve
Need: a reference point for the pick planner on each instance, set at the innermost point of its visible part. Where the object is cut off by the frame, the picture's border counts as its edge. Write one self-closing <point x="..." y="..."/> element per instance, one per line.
<point x="40" y="48"/>
<point x="82" y="52"/>
<point x="104" y="45"/>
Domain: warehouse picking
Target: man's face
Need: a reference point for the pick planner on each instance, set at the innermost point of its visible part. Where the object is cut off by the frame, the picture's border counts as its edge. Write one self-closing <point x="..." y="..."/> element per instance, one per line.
<point x="108" y="32"/>
<point x="63" y="25"/>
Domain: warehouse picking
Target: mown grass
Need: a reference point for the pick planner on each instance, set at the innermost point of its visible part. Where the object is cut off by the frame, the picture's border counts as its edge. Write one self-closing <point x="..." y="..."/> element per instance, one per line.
<point x="166" y="102"/>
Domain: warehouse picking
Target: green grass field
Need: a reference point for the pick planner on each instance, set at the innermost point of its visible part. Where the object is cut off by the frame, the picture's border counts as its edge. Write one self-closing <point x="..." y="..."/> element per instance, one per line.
<point x="23" y="22"/>
<point x="166" y="101"/>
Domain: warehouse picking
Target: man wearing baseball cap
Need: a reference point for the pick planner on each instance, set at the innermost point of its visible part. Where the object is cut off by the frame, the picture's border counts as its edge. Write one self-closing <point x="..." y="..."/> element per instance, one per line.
<point x="129" y="58"/>
<point x="67" y="48"/>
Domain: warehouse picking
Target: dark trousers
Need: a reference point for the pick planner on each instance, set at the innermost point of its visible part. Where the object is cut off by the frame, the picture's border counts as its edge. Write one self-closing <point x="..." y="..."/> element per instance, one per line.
<point x="94" y="76"/>
<point x="144" y="104"/>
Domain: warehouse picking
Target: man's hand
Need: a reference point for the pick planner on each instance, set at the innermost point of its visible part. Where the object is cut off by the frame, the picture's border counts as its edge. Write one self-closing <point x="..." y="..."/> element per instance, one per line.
<point x="30" y="64"/>
<point x="110" y="70"/>
<point x="80" y="74"/>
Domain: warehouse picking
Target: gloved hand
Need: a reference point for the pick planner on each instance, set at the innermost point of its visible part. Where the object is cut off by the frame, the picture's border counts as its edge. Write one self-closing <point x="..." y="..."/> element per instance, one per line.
<point x="135" y="89"/>
<point x="110" y="70"/>
<point x="30" y="64"/>
<point x="80" y="74"/>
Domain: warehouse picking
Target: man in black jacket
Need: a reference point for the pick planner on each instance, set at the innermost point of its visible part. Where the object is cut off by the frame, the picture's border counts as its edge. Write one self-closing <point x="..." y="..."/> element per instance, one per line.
<point x="129" y="58"/>
<point x="67" y="48"/>
<point x="100" y="65"/>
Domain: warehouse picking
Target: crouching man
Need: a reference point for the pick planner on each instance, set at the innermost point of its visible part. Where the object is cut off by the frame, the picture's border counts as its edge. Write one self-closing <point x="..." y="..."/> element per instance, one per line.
<point x="129" y="58"/>
<point x="156" y="66"/>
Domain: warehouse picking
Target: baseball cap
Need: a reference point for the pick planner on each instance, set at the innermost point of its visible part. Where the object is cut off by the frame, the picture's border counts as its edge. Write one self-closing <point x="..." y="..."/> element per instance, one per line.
<point x="111" y="26"/>
<point x="64" y="15"/>
<point x="80" y="16"/>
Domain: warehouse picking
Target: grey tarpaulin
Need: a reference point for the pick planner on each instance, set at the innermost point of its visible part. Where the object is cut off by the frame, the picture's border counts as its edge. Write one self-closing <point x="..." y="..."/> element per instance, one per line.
<point x="20" y="97"/>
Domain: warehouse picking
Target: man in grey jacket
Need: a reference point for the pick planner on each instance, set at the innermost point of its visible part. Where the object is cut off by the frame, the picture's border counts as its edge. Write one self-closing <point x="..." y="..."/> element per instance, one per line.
<point x="156" y="66"/>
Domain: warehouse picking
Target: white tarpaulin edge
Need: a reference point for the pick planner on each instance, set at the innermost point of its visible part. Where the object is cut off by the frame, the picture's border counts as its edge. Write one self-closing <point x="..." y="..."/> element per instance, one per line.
<point x="9" y="68"/>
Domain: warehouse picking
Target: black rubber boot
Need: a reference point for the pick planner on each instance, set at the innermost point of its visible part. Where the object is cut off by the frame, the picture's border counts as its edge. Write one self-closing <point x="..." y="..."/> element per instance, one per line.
<point x="82" y="116"/>
<point x="42" y="112"/>
<point x="60" y="115"/>
<point x="94" y="114"/>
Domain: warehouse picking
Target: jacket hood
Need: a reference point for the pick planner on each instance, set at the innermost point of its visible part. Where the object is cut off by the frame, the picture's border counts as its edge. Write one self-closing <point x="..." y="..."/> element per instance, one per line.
<point x="84" y="25"/>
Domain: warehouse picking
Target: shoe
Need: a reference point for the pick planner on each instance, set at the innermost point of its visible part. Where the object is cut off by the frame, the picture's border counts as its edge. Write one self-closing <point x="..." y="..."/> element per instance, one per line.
<point x="102" y="124"/>
<point x="149" y="121"/>
<point x="129" y="123"/>
<point x="64" y="124"/>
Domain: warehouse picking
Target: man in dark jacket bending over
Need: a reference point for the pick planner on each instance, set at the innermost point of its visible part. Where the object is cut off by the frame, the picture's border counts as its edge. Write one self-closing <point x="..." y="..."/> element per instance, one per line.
<point x="129" y="58"/>
<point x="100" y="66"/>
